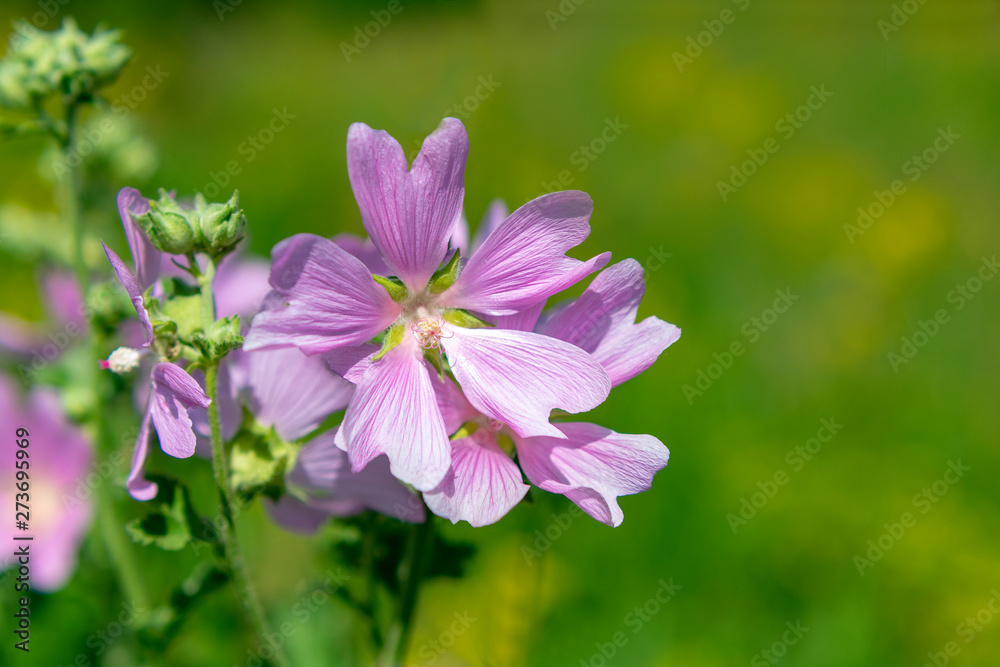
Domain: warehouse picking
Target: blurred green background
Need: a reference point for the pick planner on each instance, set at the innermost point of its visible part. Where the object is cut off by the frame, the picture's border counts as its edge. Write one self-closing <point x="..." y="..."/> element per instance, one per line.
<point x="556" y="74"/>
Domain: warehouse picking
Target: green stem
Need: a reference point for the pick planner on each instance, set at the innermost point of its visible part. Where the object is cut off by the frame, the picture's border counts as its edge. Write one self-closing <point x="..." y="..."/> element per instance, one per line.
<point x="72" y="204"/>
<point x="118" y="549"/>
<point x="418" y="551"/>
<point x="220" y="466"/>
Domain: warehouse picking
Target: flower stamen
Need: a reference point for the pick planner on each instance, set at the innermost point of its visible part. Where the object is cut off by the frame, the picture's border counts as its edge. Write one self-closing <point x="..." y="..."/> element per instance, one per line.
<point x="429" y="332"/>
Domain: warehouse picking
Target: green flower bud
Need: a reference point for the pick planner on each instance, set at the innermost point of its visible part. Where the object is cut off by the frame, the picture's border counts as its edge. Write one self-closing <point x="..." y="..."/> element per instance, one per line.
<point x="222" y="226"/>
<point x="168" y="227"/>
<point x="224" y="335"/>
<point x="66" y="62"/>
<point x="14" y="93"/>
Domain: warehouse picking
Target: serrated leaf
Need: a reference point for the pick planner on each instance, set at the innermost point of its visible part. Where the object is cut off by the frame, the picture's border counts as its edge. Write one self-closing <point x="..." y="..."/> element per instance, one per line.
<point x="168" y="527"/>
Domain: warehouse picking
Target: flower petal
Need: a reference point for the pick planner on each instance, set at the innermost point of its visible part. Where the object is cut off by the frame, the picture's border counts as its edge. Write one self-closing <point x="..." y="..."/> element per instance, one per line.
<point x="460" y="237"/>
<point x="146" y="257"/>
<point x="523" y="260"/>
<point x="409" y="215"/>
<point x="240" y="286"/>
<point x="394" y="412"/>
<point x="522" y="320"/>
<point x="174" y="391"/>
<point x="351" y="362"/>
<point x="519" y="377"/>
<point x="18" y="337"/>
<point x="138" y="486"/>
<point x="231" y="378"/>
<point x="324" y="472"/>
<point x="482" y="485"/>
<point x="602" y="322"/>
<point x="63" y="297"/>
<point x="364" y="250"/>
<point x="331" y="298"/>
<point x="292" y="391"/>
<point x="592" y="466"/>
<point x="496" y="213"/>
<point x="454" y="406"/>
<point x="133" y="289"/>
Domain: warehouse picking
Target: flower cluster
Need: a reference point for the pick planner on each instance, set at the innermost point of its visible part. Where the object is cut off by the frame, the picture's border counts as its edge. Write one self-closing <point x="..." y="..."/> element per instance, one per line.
<point x="455" y="372"/>
<point x="67" y="62"/>
<point x="454" y="381"/>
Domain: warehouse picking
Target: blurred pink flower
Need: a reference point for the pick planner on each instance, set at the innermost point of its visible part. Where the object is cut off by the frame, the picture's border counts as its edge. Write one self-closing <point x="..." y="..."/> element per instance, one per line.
<point x="59" y="457"/>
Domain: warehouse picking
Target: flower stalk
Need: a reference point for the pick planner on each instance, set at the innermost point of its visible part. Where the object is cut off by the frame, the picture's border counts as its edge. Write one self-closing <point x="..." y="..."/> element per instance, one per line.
<point x="232" y="552"/>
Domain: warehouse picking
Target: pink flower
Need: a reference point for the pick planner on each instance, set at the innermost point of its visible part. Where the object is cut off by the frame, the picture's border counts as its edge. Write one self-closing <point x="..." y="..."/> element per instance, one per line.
<point x="58" y="458"/>
<point x="172" y="392"/>
<point x="294" y="394"/>
<point x="326" y="301"/>
<point x="589" y="464"/>
<point x="44" y="343"/>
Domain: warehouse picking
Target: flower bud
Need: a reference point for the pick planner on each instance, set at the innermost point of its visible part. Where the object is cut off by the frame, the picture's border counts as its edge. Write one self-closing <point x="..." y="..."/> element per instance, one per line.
<point x="222" y="225"/>
<point x="168" y="226"/>
<point x="67" y="62"/>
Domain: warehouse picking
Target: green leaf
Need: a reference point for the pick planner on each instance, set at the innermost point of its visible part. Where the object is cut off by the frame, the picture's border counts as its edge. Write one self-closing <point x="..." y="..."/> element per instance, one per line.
<point x="166" y="621"/>
<point x="395" y="288"/>
<point x="169" y="526"/>
<point x="446" y="276"/>
<point x="258" y="463"/>
<point x="185" y="311"/>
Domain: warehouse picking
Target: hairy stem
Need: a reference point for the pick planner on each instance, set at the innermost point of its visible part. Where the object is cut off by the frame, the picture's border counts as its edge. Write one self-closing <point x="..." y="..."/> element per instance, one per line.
<point x="231" y="548"/>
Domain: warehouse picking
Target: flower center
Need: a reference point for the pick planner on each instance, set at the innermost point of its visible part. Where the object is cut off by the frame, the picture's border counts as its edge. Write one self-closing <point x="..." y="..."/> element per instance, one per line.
<point x="121" y="361"/>
<point x="428" y="331"/>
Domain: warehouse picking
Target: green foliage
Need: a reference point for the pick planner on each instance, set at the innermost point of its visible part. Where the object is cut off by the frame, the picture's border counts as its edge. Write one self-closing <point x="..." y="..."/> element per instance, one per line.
<point x="380" y="543"/>
<point x="258" y="462"/>
<point x="169" y="525"/>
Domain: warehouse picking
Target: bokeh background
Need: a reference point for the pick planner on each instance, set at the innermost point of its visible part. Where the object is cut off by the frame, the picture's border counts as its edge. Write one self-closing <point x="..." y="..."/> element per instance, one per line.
<point x="534" y="83"/>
